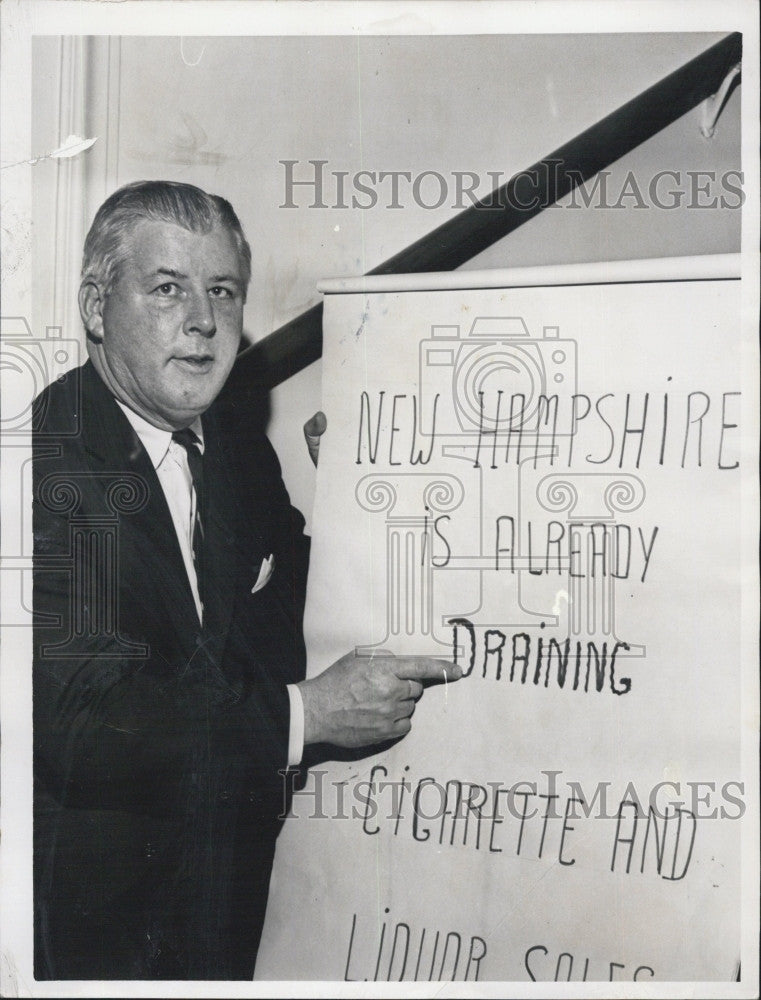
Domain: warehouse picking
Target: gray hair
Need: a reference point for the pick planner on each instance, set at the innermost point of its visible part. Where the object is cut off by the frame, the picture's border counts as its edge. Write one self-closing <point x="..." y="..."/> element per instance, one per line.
<point x="108" y="241"/>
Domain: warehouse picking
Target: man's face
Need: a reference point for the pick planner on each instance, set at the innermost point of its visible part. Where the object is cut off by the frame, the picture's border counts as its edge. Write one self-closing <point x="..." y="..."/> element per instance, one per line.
<point x="172" y="323"/>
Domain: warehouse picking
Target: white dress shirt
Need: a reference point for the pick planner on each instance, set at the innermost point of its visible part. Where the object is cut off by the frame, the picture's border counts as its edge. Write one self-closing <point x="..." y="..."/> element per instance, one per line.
<point x="170" y="460"/>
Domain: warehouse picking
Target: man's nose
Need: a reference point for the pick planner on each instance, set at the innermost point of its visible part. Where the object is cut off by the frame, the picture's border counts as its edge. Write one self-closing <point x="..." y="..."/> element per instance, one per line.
<point x="200" y="317"/>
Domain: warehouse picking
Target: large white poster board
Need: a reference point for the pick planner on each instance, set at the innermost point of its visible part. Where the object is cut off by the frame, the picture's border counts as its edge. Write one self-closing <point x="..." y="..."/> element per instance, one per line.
<point x="544" y="481"/>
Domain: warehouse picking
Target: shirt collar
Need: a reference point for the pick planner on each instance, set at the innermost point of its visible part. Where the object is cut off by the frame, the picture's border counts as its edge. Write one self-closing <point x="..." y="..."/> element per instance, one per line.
<point x="155" y="440"/>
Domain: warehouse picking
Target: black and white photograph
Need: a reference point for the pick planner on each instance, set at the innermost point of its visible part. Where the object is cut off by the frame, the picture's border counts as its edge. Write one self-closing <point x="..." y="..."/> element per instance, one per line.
<point x="379" y="580"/>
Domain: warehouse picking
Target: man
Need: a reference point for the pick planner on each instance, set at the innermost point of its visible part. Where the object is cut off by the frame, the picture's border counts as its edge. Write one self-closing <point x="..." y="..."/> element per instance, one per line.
<point x="168" y="671"/>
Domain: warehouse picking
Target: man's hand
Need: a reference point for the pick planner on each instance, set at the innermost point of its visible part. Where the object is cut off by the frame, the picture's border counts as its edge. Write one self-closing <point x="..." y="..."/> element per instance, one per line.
<point x="314" y="428"/>
<point x="361" y="700"/>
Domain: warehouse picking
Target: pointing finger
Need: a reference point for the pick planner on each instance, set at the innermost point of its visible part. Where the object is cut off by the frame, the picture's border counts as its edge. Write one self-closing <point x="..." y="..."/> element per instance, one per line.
<point x="424" y="668"/>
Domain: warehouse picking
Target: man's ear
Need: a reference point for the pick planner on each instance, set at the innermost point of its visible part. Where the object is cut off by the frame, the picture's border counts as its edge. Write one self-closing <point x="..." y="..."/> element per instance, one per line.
<point x="91" y="302"/>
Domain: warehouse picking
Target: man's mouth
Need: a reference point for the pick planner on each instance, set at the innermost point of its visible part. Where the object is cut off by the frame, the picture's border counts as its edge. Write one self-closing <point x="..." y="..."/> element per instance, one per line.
<point x="195" y="362"/>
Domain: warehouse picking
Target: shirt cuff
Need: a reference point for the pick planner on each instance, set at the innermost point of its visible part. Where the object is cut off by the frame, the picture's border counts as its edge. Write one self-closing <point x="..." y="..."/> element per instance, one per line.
<point x="296" y="729"/>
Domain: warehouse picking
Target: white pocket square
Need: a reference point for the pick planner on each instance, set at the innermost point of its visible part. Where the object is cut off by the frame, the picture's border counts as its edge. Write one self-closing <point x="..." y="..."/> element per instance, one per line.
<point x="265" y="572"/>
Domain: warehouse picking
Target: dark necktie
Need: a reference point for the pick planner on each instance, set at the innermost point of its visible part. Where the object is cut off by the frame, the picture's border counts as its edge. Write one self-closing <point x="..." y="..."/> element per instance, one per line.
<point x="190" y="442"/>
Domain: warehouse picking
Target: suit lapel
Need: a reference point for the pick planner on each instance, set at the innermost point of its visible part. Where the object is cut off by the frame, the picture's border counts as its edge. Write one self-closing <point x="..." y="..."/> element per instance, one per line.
<point x="111" y="441"/>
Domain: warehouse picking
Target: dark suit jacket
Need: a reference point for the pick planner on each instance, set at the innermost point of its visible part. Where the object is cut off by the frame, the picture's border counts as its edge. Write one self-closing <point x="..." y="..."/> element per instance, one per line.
<point x="157" y="742"/>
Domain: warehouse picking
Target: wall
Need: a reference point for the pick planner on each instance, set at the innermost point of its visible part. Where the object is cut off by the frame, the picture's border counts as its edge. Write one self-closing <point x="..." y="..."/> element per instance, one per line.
<point x="222" y="112"/>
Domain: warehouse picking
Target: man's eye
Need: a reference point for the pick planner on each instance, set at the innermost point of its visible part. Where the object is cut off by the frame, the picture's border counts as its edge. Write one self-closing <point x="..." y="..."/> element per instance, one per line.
<point x="220" y="292"/>
<point x="168" y="288"/>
